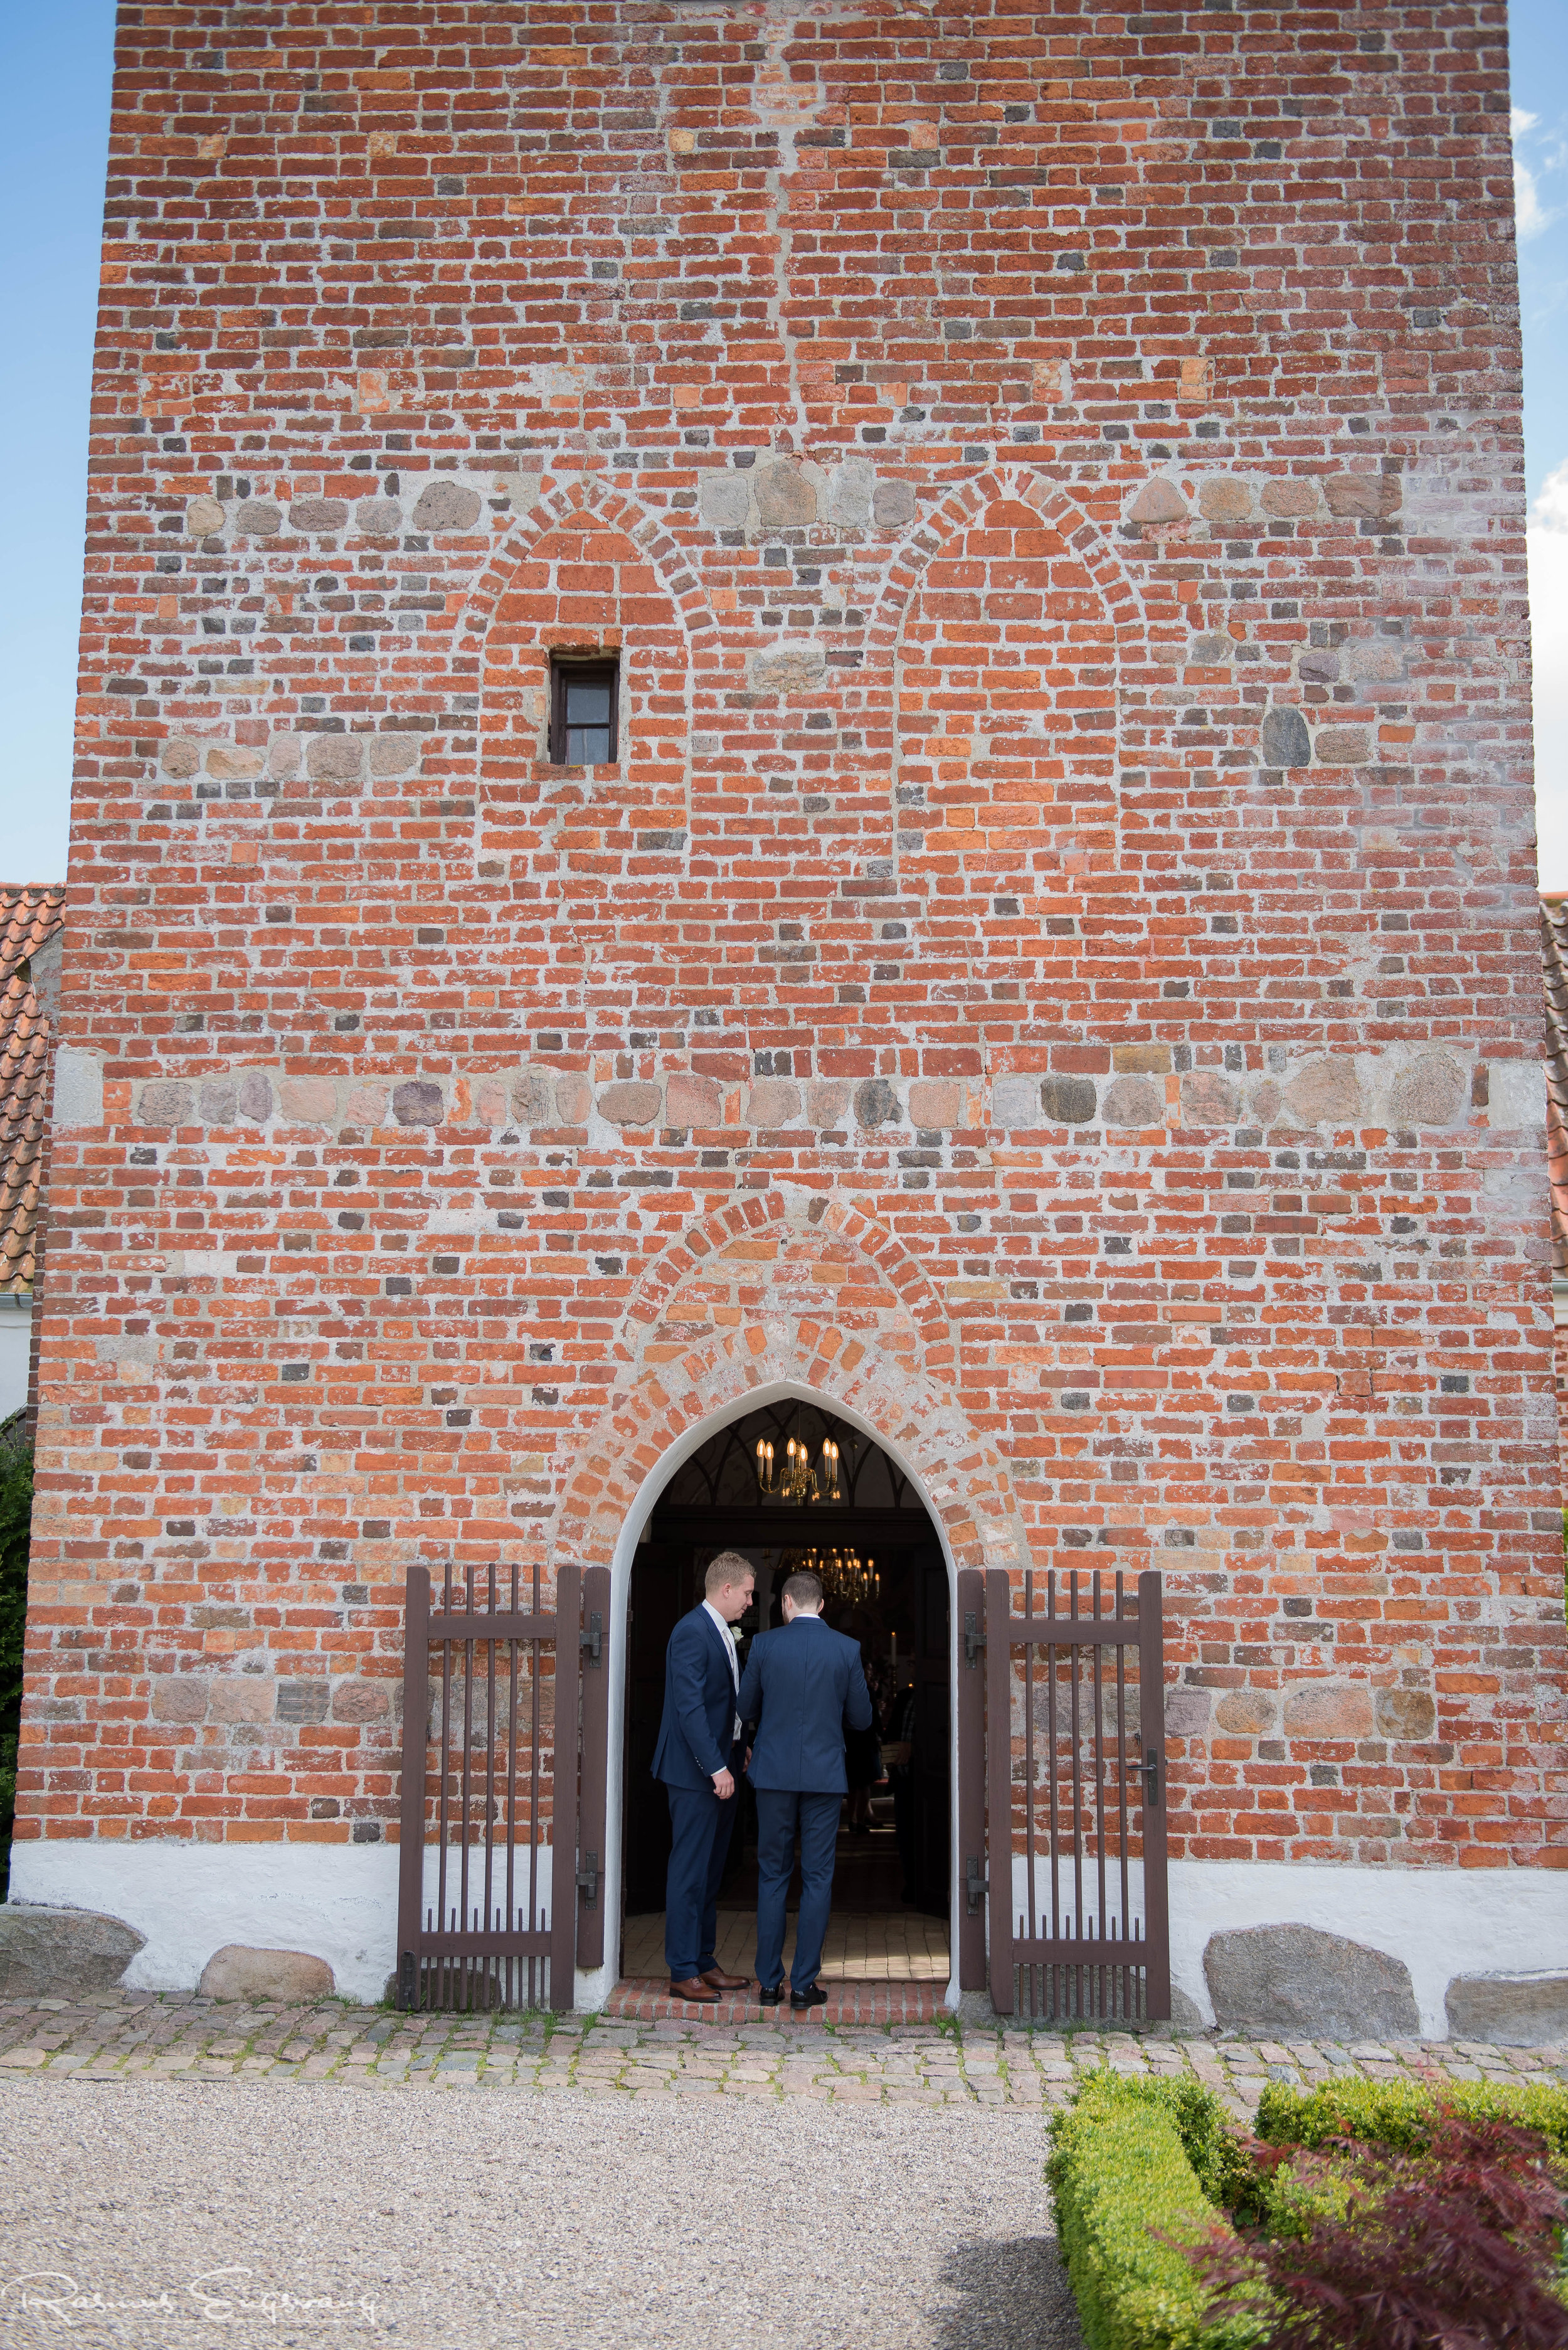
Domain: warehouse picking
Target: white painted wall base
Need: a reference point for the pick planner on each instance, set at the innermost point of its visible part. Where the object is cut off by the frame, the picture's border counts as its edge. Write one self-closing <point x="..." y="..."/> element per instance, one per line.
<point x="341" y="1902"/>
<point x="16" y="1351"/>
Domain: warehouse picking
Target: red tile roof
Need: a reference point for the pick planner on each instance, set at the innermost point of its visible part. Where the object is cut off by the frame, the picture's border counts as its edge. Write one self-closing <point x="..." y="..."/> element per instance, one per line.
<point x="30" y="914"/>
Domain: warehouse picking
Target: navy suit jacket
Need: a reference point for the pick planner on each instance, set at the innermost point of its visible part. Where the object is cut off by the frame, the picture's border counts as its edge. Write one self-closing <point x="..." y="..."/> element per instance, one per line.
<point x="802" y="1682"/>
<point x="696" y="1734"/>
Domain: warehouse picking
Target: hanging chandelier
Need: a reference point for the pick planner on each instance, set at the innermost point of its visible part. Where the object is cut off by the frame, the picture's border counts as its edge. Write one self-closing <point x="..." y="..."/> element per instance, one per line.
<point x="843" y="1574"/>
<point x="796" y="1478"/>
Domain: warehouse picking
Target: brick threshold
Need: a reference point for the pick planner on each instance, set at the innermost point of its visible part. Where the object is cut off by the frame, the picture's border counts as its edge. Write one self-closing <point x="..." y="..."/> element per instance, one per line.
<point x="857" y="2002"/>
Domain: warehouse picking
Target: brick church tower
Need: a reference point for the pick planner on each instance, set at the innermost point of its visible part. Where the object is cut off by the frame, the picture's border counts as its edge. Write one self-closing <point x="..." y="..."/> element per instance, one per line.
<point x="825" y="708"/>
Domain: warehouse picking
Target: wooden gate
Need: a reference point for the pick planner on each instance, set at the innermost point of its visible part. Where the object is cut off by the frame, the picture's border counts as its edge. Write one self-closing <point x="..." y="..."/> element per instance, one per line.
<point x="502" y="1700"/>
<point x="1077" y="1844"/>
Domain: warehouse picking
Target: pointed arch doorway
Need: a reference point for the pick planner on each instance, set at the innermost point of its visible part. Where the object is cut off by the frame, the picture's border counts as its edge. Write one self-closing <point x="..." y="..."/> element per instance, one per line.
<point x="849" y="1510"/>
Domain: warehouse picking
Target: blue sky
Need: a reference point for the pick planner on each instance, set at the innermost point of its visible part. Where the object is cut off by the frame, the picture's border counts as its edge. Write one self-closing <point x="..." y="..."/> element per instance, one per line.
<point x="54" y="115"/>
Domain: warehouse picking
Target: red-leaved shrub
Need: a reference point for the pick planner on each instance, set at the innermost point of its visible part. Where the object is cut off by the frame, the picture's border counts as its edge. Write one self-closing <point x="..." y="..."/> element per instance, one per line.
<point x="1454" y="2249"/>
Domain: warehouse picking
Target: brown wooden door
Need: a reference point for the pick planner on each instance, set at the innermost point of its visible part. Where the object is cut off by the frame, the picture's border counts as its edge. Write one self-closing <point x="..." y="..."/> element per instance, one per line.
<point x="1075" y="1799"/>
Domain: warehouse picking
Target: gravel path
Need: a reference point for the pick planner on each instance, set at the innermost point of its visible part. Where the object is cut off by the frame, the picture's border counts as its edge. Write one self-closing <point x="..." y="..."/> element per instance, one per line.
<point x="461" y="2220"/>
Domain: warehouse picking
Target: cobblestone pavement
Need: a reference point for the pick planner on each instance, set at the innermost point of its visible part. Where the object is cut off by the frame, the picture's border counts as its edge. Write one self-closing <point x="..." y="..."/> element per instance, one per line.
<point x="119" y="2035"/>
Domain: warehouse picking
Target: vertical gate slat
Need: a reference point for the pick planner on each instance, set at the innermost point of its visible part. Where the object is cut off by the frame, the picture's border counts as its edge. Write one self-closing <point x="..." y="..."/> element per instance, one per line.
<point x="971" y="1740"/>
<point x="564" y="1782"/>
<point x="1151" y="1716"/>
<point x="999" y="1782"/>
<point x="411" y="1828"/>
<point x="596" y="1672"/>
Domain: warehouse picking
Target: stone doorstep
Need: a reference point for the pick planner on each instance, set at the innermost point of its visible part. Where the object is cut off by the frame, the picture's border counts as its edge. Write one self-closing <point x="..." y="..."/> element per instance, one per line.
<point x="869" y="2003"/>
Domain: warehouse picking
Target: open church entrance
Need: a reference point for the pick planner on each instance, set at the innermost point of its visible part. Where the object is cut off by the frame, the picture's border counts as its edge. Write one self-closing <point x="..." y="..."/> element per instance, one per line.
<point x="790" y="1485"/>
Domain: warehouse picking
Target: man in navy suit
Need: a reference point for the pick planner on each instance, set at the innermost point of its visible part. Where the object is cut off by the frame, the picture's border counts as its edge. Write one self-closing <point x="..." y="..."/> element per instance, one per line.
<point x="697" y="1758"/>
<point x="803" y="1683"/>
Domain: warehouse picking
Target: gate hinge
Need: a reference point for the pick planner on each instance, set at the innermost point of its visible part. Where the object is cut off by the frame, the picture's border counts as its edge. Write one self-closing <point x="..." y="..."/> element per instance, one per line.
<point x="588" y="1880"/>
<point x="975" y="1885"/>
<point x="591" y="1641"/>
<point x="1150" y="1766"/>
<point x="408" y="1983"/>
<point x="973" y="1638"/>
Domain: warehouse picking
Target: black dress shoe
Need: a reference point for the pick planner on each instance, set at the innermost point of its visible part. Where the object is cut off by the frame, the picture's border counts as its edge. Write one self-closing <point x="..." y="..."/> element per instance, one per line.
<point x="769" y="1995"/>
<point x="814" y="1996"/>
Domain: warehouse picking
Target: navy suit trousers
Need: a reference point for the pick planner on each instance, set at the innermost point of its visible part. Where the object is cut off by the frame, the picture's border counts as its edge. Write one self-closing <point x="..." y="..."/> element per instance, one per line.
<point x="700" y="1827"/>
<point x="779" y="1811"/>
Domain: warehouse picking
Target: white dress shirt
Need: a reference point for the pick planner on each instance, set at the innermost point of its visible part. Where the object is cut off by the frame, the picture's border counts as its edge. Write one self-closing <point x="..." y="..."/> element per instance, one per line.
<point x="730" y="1652"/>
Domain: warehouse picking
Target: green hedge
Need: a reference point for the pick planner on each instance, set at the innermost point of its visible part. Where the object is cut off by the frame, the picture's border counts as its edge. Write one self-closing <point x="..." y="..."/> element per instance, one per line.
<point x="1398" y="2114"/>
<point x="1128" y="2198"/>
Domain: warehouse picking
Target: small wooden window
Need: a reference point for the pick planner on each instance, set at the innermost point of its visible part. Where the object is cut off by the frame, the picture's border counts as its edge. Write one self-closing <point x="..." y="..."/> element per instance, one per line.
<point x="585" y="712"/>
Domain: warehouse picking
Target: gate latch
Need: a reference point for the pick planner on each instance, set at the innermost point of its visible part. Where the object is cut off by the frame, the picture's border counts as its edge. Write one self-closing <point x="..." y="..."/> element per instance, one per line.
<point x="973" y="1638"/>
<point x="975" y="1885"/>
<point x="1150" y="1768"/>
<point x="588" y="1876"/>
<point x="591" y="1642"/>
<point x="408" y="1983"/>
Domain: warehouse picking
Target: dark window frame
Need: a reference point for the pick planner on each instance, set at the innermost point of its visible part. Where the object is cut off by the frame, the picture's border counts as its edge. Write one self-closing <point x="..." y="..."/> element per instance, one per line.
<point x="564" y="667"/>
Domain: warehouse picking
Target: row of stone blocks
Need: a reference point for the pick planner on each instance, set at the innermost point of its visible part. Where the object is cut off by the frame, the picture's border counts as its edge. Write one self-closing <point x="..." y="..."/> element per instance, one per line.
<point x="1288" y="1981"/>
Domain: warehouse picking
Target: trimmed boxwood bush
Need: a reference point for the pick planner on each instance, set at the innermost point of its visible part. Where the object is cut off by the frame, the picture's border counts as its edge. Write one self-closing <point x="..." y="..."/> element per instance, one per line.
<point x="1398" y="2114"/>
<point x="1130" y="2205"/>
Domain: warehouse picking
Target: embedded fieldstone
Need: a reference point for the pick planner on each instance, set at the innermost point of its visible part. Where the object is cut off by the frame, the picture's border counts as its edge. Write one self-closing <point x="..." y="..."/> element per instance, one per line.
<point x="203" y="516"/>
<point x="936" y="1102"/>
<point x="1225" y="500"/>
<point x="393" y="755"/>
<point x="876" y="1103"/>
<point x="1315" y="668"/>
<point x="1362" y="496"/>
<point x="318" y="514"/>
<point x="1331" y="1711"/>
<point x="633" y="1102"/>
<point x="1431" y="1092"/>
<point x="1296" y="1983"/>
<point x="1067" y="1101"/>
<point x="1186" y="2015"/>
<point x="1210" y="649"/>
<point x="62" y="1953"/>
<point x="1405" y="1717"/>
<point x="1286" y="742"/>
<point x="181" y="758"/>
<point x="231" y="765"/>
<point x="334" y="758"/>
<point x="851" y="486"/>
<point x="784" y="495"/>
<point x="1344" y="747"/>
<point x="1246" y="1713"/>
<point x="1207" y="1100"/>
<point x="1325" y="1092"/>
<point x="379" y="517"/>
<point x="418" y="1102"/>
<point x="1376" y="662"/>
<point x="255" y="1098"/>
<point x="893" y="505"/>
<point x="283" y="753"/>
<point x="693" y="1102"/>
<point x="366" y="1107"/>
<point x="356" y="1698"/>
<point x="574" y="1100"/>
<point x="1158" y="502"/>
<point x="258" y="517"/>
<point x="309" y="1101"/>
<point x="788" y="669"/>
<point x="772" y="1101"/>
<point x="724" y="500"/>
<point x="827" y="1102"/>
<point x="447" y="505"/>
<point x="1285" y="499"/>
<point x="532" y="1098"/>
<point x="218" y="1101"/>
<point x="238" y="1971"/>
<point x="1134" y="1101"/>
<point x="1015" y="1102"/>
<point x="166" y="1105"/>
<point x="1526" y="2010"/>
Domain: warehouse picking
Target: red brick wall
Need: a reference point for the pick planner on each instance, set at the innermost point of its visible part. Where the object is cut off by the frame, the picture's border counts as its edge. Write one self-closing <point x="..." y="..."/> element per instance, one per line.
<point x="1055" y="968"/>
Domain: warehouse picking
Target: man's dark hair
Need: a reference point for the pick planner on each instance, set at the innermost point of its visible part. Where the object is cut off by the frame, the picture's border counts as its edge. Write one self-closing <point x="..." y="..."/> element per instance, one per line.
<point x="804" y="1588"/>
<point x="729" y="1567"/>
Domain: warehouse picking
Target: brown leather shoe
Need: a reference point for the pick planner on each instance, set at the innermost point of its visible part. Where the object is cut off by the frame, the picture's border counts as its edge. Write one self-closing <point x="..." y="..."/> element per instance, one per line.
<point x="694" y="1988"/>
<point x="717" y="1980"/>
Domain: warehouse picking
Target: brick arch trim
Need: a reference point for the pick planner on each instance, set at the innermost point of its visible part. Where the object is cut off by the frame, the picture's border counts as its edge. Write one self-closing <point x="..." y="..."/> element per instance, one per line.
<point x="962" y="508"/>
<point x="558" y="507"/>
<point x="912" y="1412"/>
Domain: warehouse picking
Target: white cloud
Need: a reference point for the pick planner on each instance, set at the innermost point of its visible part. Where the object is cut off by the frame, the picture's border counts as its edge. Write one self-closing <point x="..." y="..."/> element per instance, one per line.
<point x="1519" y="122"/>
<point x="1547" y="540"/>
<point x="1530" y="215"/>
